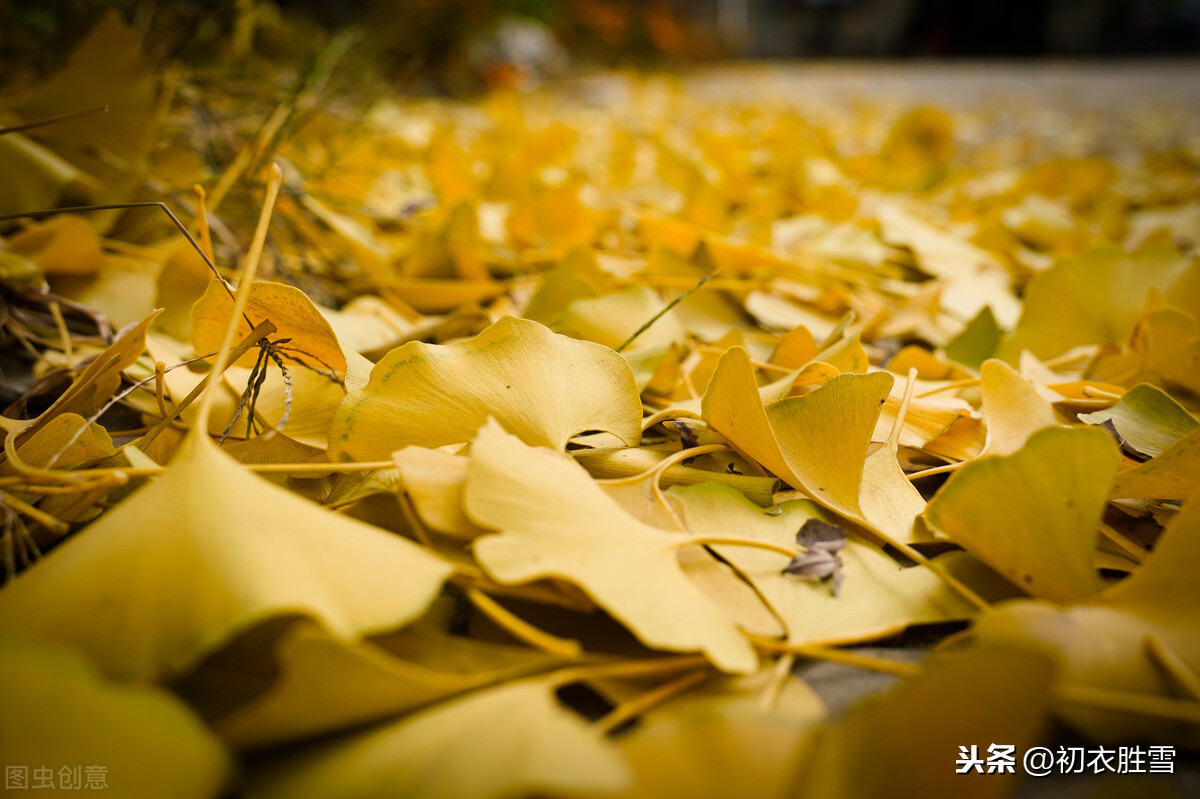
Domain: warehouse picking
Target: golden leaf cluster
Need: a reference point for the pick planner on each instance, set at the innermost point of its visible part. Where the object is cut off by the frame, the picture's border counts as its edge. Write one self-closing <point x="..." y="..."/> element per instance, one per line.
<point x="472" y="460"/>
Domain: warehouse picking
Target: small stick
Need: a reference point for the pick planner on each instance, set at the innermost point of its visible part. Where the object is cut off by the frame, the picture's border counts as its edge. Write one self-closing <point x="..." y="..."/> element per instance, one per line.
<point x="41" y="123"/>
<point x="240" y="298"/>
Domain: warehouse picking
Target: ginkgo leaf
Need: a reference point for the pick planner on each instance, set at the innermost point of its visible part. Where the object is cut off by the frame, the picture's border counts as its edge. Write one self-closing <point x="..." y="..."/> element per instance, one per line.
<point x="554" y="521"/>
<point x="512" y="740"/>
<point x="366" y="323"/>
<point x="918" y="149"/>
<point x="544" y="387"/>
<point x="816" y="443"/>
<point x="106" y="68"/>
<point x="825" y="434"/>
<point x="621" y="462"/>
<point x="303" y="410"/>
<point x="977" y="342"/>
<point x="291" y="311"/>
<point x="578" y="276"/>
<point x="1104" y="641"/>
<point x="435" y="482"/>
<point x="56" y="711"/>
<point x="1147" y="418"/>
<point x="1172" y="474"/>
<point x="48" y="445"/>
<point x="1098" y="298"/>
<point x="102" y="377"/>
<point x="204" y="551"/>
<point x="887" y="498"/>
<point x="1164" y="349"/>
<point x="612" y="318"/>
<point x="937" y="252"/>
<point x="65" y="245"/>
<point x="987" y="695"/>
<point x="877" y="597"/>
<point x="1033" y="515"/>
<point x="327" y="684"/>
<point x="714" y="746"/>
<point x="123" y="289"/>
<point x="38" y="178"/>
<point x="1012" y="408"/>
<point x="182" y="280"/>
<point x="642" y="497"/>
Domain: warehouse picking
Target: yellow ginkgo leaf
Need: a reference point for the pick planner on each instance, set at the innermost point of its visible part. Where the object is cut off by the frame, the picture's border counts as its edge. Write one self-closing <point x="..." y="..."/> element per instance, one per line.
<point x="203" y="552"/>
<point x="641" y="496"/>
<point x="434" y="481"/>
<point x="1098" y="298"/>
<point x="918" y="149"/>
<point x="1172" y="474"/>
<point x="578" y="276"/>
<point x="303" y="410"/>
<point x="64" y="441"/>
<point x="877" y="597"/>
<point x="825" y="433"/>
<point x="982" y="698"/>
<point x="816" y="443"/>
<point x="138" y="741"/>
<point x="887" y="498"/>
<point x="327" y="684"/>
<point x="1129" y="638"/>
<point x="1147" y="418"/>
<point x="312" y="341"/>
<point x="102" y="377"/>
<point x="937" y="252"/>
<point x="1165" y="350"/>
<point x="512" y="740"/>
<point x="612" y="318"/>
<point x="554" y="521"/>
<point x="714" y="745"/>
<point x="38" y="178"/>
<point x="1033" y="515"/>
<point x="65" y="245"/>
<point x="107" y="68"/>
<point x="1012" y="408"/>
<point x="544" y="387"/>
<point x="182" y="280"/>
<point x="623" y="462"/>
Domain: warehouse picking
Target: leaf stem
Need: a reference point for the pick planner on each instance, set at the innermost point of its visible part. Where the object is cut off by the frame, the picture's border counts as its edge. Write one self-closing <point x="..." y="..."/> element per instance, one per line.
<point x="1135" y="702"/>
<point x="521" y="629"/>
<point x="643" y="703"/>
<point x="1136" y="553"/>
<point x="831" y="654"/>
<point x="715" y="540"/>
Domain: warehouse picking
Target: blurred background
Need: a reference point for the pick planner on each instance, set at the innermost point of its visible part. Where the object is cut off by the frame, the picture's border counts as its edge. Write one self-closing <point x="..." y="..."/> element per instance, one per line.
<point x="457" y="42"/>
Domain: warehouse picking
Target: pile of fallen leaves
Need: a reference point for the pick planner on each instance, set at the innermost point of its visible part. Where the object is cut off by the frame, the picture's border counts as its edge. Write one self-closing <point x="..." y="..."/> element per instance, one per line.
<point x="638" y="393"/>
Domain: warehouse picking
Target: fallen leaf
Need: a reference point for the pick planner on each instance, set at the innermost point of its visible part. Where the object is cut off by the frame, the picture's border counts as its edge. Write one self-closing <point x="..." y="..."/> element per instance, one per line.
<point x="544" y="387"/>
<point x="1103" y="640"/>
<point x="522" y="742"/>
<point x="57" y="712"/>
<point x="1146" y="417"/>
<point x="239" y="551"/>
<point x="982" y="697"/>
<point x="877" y="597"/>
<point x="1033" y="515"/>
<point x="310" y="338"/>
<point x="554" y="521"/>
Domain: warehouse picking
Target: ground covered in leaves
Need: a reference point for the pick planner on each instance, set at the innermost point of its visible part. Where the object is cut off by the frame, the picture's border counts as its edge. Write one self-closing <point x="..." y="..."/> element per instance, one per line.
<point x="527" y="445"/>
